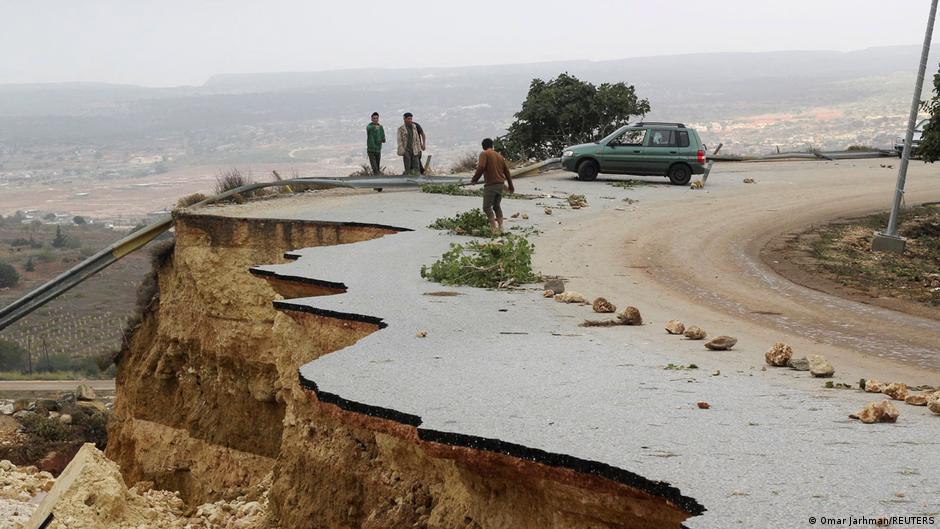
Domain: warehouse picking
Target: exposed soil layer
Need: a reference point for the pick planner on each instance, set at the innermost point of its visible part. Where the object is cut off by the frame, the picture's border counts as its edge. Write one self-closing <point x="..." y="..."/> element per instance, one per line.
<point x="209" y="404"/>
<point x="836" y="258"/>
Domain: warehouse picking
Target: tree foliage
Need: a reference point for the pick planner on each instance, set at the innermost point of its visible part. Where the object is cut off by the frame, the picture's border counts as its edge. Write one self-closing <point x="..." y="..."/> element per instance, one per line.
<point x="566" y="111"/>
<point x="929" y="148"/>
<point x="9" y="277"/>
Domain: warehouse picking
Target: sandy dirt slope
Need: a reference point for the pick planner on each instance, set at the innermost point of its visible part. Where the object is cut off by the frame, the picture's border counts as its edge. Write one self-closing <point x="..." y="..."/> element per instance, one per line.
<point x="694" y="255"/>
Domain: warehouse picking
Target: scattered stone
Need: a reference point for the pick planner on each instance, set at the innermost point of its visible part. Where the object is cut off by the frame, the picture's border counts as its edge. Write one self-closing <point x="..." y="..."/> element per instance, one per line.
<point x="896" y="391"/>
<point x="874" y="412"/>
<point x="698" y="184"/>
<point x="85" y="392"/>
<point x="799" y="364"/>
<point x="702" y="405"/>
<point x="630" y="316"/>
<point x="749" y="181"/>
<point x="422" y="334"/>
<point x="820" y="367"/>
<point x="837" y="385"/>
<point x="933" y="402"/>
<point x="65" y="418"/>
<point x="570" y="297"/>
<point x="873" y="386"/>
<point x="555" y="285"/>
<point x="695" y="333"/>
<point x="548" y="211"/>
<point x="548" y="293"/>
<point x="514" y="215"/>
<point x="917" y="400"/>
<point x="603" y="306"/>
<point x="675" y="327"/>
<point x="721" y="343"/>
<point x="779" y="355"/>
<point x="525" y="216"/>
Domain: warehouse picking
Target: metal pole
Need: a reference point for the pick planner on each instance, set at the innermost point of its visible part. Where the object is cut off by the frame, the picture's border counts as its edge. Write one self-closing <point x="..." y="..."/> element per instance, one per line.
<point x="892" y="230"/>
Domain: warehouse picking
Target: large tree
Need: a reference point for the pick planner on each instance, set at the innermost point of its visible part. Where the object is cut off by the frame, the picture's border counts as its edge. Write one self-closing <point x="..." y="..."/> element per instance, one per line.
<point x="566" y="111"/>
<point x="929" y="148"/>
<point x="9" y="277"/>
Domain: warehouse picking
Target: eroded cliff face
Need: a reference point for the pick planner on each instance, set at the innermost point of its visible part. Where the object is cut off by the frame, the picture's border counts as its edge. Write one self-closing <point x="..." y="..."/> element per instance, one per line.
<point x="209" y="404"/>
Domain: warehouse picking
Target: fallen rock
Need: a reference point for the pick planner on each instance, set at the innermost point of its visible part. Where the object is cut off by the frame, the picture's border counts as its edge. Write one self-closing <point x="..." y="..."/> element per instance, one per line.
<point x="555" y="285"/>
<point x="603" y="306"/>
<point x="721" y="343"/>
<point x="800" y="364"/>
<point x="85" y="392"/>
<point x="525" y="216"/>
<point x="514" y="215"/>
<point x="820" y="367"/>
<point x="570" y="297"/>
<point x="548" y="293"/>
<point x="933" y="402"/>
<point x="779" y="354"/>
<point x="630" y="316"/>
<point x="917" y="400"/>
<point x="702" y="405"/>
<point x="874" y="412"/>
<point x="548" y="211"/>
<point x="695" y="333"/>
<point x="698" y="184"/>
<point x="749" y="181"/>
<point x="65" y="418"/>
<point x="873" y="386"/>
<point x="422" y="334"/>
<point x="896" y="391"/>
<point x="20" y="405"/>
<point x="675" y="327"/>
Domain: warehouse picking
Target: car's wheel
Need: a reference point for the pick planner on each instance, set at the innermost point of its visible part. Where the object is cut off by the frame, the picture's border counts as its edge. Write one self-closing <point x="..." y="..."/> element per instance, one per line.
<point x="587" y="171"/>
<point x="680" y="174"/>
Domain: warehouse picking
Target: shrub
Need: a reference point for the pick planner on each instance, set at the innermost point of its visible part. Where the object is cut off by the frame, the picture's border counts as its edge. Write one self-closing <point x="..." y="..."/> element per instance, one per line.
<point x="465" y="164"/>
<point x="9" y="277"/>
<point x="189" y="200"/>
<point x="496" y="263"/>
<point x="473" y="223"/>
<point x="79" y="220"/>
<point x="462" y="191"/>
<point x="12" y="355"/>
<point x="230" y="179"/>
<point x="366" y="170"/>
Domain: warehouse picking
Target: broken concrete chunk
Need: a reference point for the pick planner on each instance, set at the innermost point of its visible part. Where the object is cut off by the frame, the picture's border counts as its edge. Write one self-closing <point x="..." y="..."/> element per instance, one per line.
<point x="873" y="386"/>
<point x="874" y="412"/>
<point x="917" y="400"/>
<point x="820" y="367"/>
<point x="779" y="354"/>
<point x="630" y="316"/>
<point x="695" y="333"/>
<point x="85" y="392"/>
<point x="933" y="402"/>
<point x="721" y="343"/>
<point x="675" y="327"/>
<point x="548" y="293"/>
<point x="555" y="285"/>
<point x="570" y="297"/>
<point x="800" y="364"/>
<point x="603" y="306"/>
<point x="896" y="391"/>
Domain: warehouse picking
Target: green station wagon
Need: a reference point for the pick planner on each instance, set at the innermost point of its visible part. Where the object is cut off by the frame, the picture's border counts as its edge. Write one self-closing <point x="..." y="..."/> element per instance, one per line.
<point x="650" y="148"/>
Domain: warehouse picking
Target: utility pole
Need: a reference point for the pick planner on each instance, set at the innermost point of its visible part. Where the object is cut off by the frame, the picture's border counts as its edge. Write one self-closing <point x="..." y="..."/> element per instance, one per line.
<point x="889" y="240"/>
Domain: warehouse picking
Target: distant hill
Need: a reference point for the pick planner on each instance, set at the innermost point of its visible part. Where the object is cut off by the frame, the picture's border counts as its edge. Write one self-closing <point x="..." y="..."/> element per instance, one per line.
<point x="458" y="105"/>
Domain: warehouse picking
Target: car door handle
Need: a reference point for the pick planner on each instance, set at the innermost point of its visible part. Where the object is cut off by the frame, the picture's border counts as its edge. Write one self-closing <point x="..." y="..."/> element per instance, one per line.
<point x="672" y="152"/>
<point x="636" y="151"/>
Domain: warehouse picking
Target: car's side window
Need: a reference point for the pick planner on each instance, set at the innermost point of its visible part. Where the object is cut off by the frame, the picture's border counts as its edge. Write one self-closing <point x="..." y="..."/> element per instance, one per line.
<point x="683" y="138"/>
<point x="631" y="138"/>
<point x="663" y="138"/>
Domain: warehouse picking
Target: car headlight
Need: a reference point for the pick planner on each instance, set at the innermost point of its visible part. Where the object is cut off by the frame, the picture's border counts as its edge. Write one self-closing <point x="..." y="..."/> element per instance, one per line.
<point x="567" y="154"/>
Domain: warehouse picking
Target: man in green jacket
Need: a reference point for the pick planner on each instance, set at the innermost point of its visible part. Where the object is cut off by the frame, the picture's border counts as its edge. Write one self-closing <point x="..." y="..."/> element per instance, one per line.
<point x="375" y="137"/>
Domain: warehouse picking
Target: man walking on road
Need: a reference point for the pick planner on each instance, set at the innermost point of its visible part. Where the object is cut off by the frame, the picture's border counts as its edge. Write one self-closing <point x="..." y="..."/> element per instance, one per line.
<point x="375" y="137"/>
<point x="409" y="146"/>
<point x="496" y="172"/>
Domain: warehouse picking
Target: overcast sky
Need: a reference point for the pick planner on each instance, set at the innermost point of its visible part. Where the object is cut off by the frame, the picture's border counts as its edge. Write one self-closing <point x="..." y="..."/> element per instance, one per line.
<point x="174" y="42"/>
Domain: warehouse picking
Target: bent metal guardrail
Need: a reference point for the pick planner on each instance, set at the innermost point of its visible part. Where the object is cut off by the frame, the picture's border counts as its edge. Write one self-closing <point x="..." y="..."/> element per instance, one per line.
<point x="136" y="240"/>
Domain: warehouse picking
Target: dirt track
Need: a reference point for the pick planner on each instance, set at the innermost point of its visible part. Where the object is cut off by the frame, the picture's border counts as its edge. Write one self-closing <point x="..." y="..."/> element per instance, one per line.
<point x="695" y="256"/>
